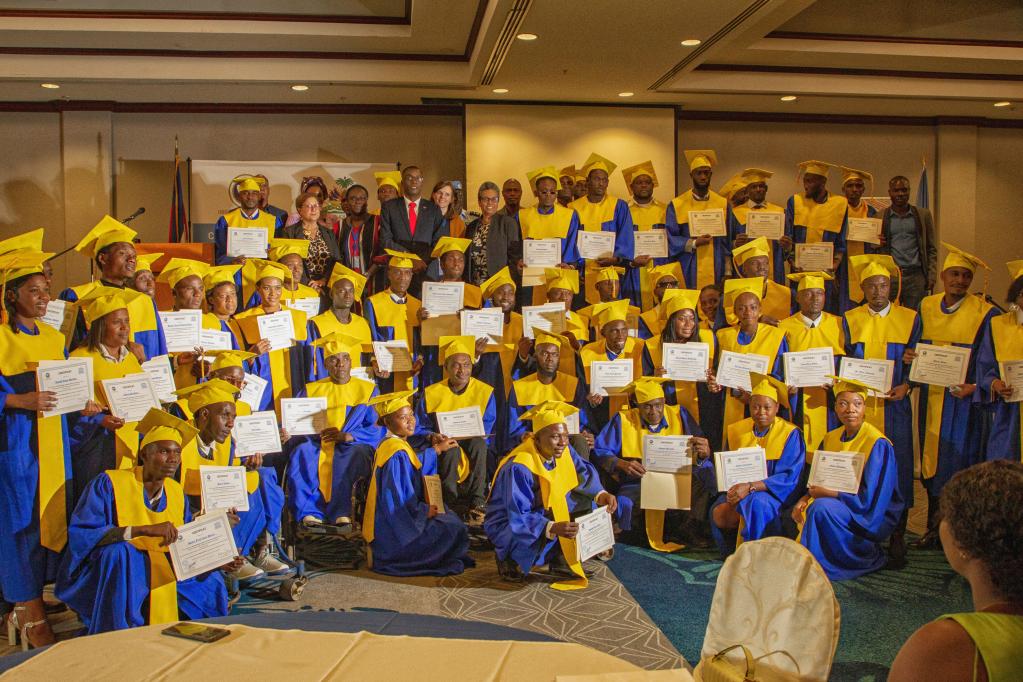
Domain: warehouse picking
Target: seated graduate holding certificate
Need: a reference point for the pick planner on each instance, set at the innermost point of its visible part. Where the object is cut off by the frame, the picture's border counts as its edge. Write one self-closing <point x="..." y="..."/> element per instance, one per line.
<point x="618" y="455"/>
<point x="407" y="533"/>
<point x="751" y="510"/>
<point x="323" y="469"/>
<point x="213" y="409"/>
<point x="282" y="367"/>
<point x="562" y="287"/>
<point x="753" y="259"/>
<point x="185" y="279"/>
<point x="607" y="282"/>
<point x="616" y="345"/>
<point x="537" y="490"/>
<point x="845" y="531"/>
<point x="461" y="462"/>
<point x="229" y="366"/>
<point x="117" y="572"/>
<point x="344" y="289"/>
<point x="661" y="279"/>
<point x="393" y="315"/>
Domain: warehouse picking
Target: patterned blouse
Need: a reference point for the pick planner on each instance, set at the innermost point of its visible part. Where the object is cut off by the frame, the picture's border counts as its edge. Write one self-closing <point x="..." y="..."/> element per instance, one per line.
<point x="319" y="258"/>
<point x="480" y="273"/>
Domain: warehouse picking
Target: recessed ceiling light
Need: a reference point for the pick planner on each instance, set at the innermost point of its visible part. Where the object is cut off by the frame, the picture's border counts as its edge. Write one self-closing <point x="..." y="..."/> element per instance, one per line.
<point x="691" y="42"/>
<point x="789" y="98"/>
<point x="500" y="91"/>
<point x="626" y="94"/>
<point x="1003" y="104"/>
<point x="299" y="88"/>
<point x="49" y="86"/>
<point x="527" y="36"/>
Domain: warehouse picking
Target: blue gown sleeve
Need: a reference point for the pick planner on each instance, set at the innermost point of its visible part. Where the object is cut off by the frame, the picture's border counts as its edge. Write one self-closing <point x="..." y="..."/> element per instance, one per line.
<point x="783" y="480"/>
<point x="571" y="254"/>
<point x="515" y="426"/>
<point x="624" y="243"/>
<point x="878" y="499"/>
<point x="987" y="364"/>
<point x="92" y="519"/>
<point x="361" y="422"/>
<point x="607" y="446"/>
<point x="424" y="426"/>
<point x="371" y="319"/>
<point x="220" y="242"/>
<point x="524" y="522"/>
<point x="490" y="417"/>
<point x="589" y="479"/>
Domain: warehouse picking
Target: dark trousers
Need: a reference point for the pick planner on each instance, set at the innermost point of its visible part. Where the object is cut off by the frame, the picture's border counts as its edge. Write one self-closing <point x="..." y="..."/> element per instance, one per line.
<point x="475" y="486"/>
<point x="914" y="288"/>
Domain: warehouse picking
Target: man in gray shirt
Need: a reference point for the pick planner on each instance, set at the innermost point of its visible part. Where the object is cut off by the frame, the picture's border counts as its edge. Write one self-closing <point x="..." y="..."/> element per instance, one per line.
<point x="907" y="234"/>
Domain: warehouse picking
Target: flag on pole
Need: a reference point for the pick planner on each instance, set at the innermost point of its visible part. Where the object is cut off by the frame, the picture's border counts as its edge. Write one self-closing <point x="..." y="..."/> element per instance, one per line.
<point x="179" y="230"/>
<point x="923" y="195"/>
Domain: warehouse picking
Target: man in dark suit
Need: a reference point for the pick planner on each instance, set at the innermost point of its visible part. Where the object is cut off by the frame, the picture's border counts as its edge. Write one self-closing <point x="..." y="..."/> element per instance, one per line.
<point x="907" y="233"/>
<point x="411" y="223"/>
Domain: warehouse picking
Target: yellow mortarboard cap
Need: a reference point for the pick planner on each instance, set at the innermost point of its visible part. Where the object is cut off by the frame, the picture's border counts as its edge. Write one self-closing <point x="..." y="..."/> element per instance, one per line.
<point x="853" y="174"/>
<point x="179" y="268"/>
<point x="146" y="261"/>
<point x="679" y="299"/>
<point x="869" y="265"/>
<point x="542" y="336"/>
<point x="445" y="244"/>
<point x="736" y="287"/>
<point x="751" y="249"/>
<point x="815" y="167"/>
<point x="453" y="345"/>
<point x="580" y="175"/>
<point x="659" y="272"/>
<point x="103" y="301"/>
<point x="613" y="311"/>
<point x="646" y="389"/>
<point x="548" y="413"/>
<point x="20" y="263"/>
<point x="562" y="278"/>
<point x="734" y="184"/>
<point x="609" y="274"/>
<point x="279" y="248"/>
<point x="569" y="171"/>
<point x="106" y="232"/>
<point x="229" y="358"/>
<point x="598" y="162"/>
<point x="957" y="258"/>
<point x="339" y="342"/>
<point x="248" y="185"/>
<point x="158" y="425"/>
<point x="256" y="269"/>
<point x="809" y="280"/>
<point x="401" y="259"/>
<point x="496" y="281"/>
<point x="219" y="274"/>
<point x="766" y="385"/>
<point x="342" y="271"/>
<point x="392" y="178"/>
<point x="389" y="403"/>
<point x="26" y="241"/>
<point x="633" y="172"/>
<point x="208" y="393"/>
<point x="700" y="158"/>
<point x="751" y="175"/>
<point x="545" y="172"/>
<point x="842" y="385"/>
<point x="1015" y="269"/>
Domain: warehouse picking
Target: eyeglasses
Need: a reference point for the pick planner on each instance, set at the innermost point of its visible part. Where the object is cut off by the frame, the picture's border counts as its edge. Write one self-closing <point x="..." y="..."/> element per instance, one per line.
<point x="489" y="200"/>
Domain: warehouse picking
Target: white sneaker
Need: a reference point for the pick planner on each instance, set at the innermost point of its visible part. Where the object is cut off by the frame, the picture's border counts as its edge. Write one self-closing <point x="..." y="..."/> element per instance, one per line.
<point x="269" y="563"/>
<point x="246" y="572"/>
<point x="311" y="521"/>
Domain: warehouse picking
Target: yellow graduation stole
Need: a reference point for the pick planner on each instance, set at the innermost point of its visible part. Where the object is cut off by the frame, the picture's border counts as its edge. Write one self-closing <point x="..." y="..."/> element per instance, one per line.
<point x="776" y="302"/>
<point x="403" y="319"/>
<point x="959" y="328"/>
<point x="20" y="354"/>
<point x="191" y="460"/>
<point x="387" y="449"/>
<point x="1007" y="335"/>
<point x="280" y="360"/>
<point x="340" y="399"/>
<point x="855" y="248"/>
<point x="875" y="333"/>
<point x="633" y="351"/>
<point x="647" y="217"/>
<point x="141" y="308"/>
<point x="767" y="341"/>
<point x="126" y="438"/>
<point x="741" y="435"/>
<point x="633" y="430"/>
<point x="129" y="500"/>
<point x="741" y="214"/>
<point x="819" y="218"/>
<point x="592" y="218"/>
<point x="686" y="394"/>
<point x="654" y="321"/>
<point x="815" y="400"/>
<point x="555" y="485"/>
<point x="536" y="225"/>
<point x="327" y="323"/>
<point x="684" y="203"/>
<point x="508" y="349"/>
<point x="530" y="391"/>
<point x="234" y="218"/>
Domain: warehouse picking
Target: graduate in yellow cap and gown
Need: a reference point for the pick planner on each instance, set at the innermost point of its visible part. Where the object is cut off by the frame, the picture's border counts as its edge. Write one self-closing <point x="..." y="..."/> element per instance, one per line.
<point x="395" y="315"/>
<point x="388" y="187"/>
<point x="703" y="257"/>
<point x="406" y="534"/>
<point x="844" y="531"/>
<point x="548" y="220"/>
<point x="566" y="185"/>
<point x="35" y="462"/>
<point x="323" y="469"/>
<point x="950" y="424"/>
<point x="109" y="244"/>
<point x="117" y="573"/>
<point x="144" y="279"/>
<point x="563" y="287"/>
<point x="222" y="301"/>
<point x="618" y="455"/>
<point x="614" y="344"/>
<point x="854" y="183"/>
<point x="609" y="289"/>
<point x="807" y="328"/>
<point x="450" y="256"/>
<point x="537" y="489"/>
<point x="647" y="214"/>
<point x="754" y="510"/>
<point x="291" y="253"/>
<point x="1002" y="342"/>
<point x="184" y="277"/>
<point x="247" y="214"/>
<point x="344" y="289"/>
<point x="755" y="182"/>
<point x="660" y="278"/>
<point x="752" y="259"/>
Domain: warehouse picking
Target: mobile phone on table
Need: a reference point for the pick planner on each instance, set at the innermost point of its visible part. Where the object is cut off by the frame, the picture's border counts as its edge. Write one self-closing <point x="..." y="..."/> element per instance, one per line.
<point x="197" y="632"/>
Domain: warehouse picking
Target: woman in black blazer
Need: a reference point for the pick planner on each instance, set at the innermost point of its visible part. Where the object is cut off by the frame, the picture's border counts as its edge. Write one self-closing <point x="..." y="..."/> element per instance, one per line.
<point x="495" y="239"/>
<point x="323" y="249"/>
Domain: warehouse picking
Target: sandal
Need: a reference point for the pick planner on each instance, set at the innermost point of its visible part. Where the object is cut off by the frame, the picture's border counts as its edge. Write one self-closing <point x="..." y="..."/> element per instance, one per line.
<point x="16" y="629"/>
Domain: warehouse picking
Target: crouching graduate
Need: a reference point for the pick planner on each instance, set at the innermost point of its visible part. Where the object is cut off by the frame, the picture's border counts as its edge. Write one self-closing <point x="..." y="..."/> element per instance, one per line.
<point x="618" y="453"/>
<point x="843" y="531"/>
<point x="750" y="511"/>
<point x="323" y="469"/>
<point x="117" y="572"/>
<point x="406" y="534"/>
<point x="536" y="490"/>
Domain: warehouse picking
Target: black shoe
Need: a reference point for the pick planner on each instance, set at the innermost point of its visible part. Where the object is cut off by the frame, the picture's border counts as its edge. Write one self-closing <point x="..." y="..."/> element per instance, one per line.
<point x="510" y="571"/>
<point x="558" y="567"/>
<point x="894" y="563"/>
<point x="896" y="552"/>
<point x="930" y="540"/>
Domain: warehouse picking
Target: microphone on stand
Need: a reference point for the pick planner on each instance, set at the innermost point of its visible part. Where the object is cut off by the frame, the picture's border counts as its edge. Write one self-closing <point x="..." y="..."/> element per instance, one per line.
<point x="133" y="216"/>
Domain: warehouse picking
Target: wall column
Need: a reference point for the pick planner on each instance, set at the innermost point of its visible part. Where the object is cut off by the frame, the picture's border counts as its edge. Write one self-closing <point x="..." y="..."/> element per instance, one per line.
<point x="955" y="186"/>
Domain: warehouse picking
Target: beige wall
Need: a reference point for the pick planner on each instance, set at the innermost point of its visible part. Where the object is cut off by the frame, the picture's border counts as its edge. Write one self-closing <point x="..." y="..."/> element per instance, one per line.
<point x="999" y="215"/>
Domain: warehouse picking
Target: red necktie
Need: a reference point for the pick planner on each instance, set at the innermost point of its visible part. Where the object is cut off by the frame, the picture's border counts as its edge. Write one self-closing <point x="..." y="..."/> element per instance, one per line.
<point x="412" y="218"/>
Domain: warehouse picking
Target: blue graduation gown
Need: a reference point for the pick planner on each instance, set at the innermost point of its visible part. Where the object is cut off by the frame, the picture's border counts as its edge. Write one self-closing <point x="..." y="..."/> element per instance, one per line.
<point x="1004" y="437"/>
<point x="510" y="438"/>
<point x="386" y="333"/>
<point x="836" y="291"/>
<point x="679" y="235"/>
<point x="220" y="240"/>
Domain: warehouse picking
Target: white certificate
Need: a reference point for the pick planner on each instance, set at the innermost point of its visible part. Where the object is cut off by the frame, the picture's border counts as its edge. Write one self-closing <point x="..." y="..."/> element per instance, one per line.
<point x="610" y="374"/>
<point x="256" y="432"/>
<point x="939" y="365"/>
<point x="392" y="356"/>
<point x="877" y="374"/>
<point x="595" y="245"/>
<point x="203" y="545"/>
<point x="278" y="328"/>
<point x="541" y="253"/>
<point x="130" y="397"/>
<point x="162" y="376"/>
<point x="864" y="230"/>
<point x="61" y="315"/>
<point x="434" y="492"/>
<point x="817" y="256"/>
<point x="181" y="329"/>
<point x="464" y="423"/>
<point x="686" y="361"/>
<point x="70" y="379"/>
<point x="809" y="368"/>
<point x="309" y="305"/>
<point x="304" y="416"/>
<point x="486" y="323"/>
<point x="1011" y="372"/>
<point x="550" y="317"/>
<point x="767" y="224"/>
<point x="746" y="465"/>
<point x="658" y="490"/>
<point x="734" y="368"/>
<point x="249" y="242"/>
<point x="839" y="471"/>
<point x="653" y="243"/>
<point x="443" y="298"/>
<point x="711" y="222"/>
<point x="252" y="390"/>
<point x="667" y="454"/>
<point x="223" y="488"/>
<point x="572" y="423"/>
<point x="363" y="373"/>
<point x="595" y="535"/>
<point x="211" y="339"/>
